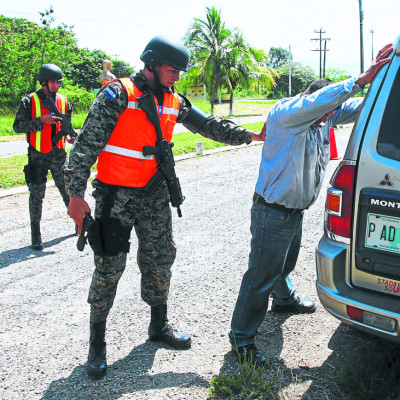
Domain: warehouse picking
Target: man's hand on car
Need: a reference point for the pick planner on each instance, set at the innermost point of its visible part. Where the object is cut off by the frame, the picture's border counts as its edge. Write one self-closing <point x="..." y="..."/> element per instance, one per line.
<point x="381" y="59"/>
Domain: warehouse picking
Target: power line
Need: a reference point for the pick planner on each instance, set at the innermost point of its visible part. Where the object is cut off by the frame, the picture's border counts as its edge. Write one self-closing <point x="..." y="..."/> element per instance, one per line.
<point x="324" y="50"/>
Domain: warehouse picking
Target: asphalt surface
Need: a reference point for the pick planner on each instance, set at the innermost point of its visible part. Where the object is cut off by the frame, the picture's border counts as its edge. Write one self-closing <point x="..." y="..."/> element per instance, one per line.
<point x="44" y="313"/>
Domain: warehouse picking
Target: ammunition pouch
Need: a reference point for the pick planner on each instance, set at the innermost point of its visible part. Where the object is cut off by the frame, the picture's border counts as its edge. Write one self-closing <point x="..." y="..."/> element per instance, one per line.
<point x="195" y="119"/>
<point x="34" y="174"/>
<point x="107" y="237"/>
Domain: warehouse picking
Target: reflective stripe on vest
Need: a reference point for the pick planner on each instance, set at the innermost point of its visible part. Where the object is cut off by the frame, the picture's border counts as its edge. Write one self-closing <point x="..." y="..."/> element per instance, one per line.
<point x="122" y="161"/>
<point x="41" y="140"/>
<point x="126" y="152"/>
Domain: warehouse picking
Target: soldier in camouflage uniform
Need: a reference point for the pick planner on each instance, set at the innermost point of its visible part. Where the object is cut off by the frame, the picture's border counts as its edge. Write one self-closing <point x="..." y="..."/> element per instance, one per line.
<point x="121" y="207"/>
<point x="43" y="155"/>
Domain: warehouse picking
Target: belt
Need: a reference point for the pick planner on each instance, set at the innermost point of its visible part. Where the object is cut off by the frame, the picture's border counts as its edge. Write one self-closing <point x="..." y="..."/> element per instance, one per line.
<point x="257" y="199"/>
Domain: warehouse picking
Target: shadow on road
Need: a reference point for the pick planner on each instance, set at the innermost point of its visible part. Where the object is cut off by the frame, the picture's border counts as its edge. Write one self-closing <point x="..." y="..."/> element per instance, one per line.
<point x="22" y="254"/>
<point x="361" y="366"/>
<point x="126" y="376"/>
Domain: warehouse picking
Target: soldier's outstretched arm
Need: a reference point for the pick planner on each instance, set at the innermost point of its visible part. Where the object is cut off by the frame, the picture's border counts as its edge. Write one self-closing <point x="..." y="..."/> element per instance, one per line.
<point x="213" y="127"/>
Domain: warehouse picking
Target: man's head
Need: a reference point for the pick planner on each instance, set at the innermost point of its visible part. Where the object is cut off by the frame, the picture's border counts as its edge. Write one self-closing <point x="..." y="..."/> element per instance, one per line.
<point x="165" y="57"/>
<point x="50" y="77"/>
<point x="316" y="85"/>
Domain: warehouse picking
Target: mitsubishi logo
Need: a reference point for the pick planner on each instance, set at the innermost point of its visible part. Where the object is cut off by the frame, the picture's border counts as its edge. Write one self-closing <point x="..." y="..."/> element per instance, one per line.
<point x="386" y="181"/>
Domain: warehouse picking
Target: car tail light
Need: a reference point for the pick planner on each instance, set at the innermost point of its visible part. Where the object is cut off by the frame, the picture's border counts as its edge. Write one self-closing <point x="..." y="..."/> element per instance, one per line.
<point x="339" y="200"/>
<point x="355" y="313"/>
<point x="372" y="319"/>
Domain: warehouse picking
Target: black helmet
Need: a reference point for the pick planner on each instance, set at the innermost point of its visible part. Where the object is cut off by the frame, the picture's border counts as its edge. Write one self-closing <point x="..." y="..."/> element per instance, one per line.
<point x="166" y="50"/>
<point x="50" y="72"/>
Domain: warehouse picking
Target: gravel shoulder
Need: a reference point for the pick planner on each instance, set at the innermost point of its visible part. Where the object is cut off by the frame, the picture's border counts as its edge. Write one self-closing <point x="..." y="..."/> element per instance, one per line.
<point x="44" y="313"/>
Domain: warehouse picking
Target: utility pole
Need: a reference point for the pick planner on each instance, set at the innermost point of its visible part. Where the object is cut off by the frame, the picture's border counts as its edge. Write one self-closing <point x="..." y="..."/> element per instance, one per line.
<point x="372" y="44"/>
<point x="361" y="38"/>
<point x="323" y="74"/>
<point x="115" y="56"/>
<point x="320" y="39"/>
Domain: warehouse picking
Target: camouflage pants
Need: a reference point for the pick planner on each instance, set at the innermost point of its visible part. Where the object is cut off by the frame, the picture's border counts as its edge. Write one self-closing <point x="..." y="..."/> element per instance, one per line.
<point x="151" y="218"/>
<point x="42" y="163"/>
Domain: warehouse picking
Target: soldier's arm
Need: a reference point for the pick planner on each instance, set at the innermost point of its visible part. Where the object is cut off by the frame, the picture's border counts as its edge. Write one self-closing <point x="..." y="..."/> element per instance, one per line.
<point x="213" y="127"/>
<point x="23" y="121"/>
<point x="96" y="130"/>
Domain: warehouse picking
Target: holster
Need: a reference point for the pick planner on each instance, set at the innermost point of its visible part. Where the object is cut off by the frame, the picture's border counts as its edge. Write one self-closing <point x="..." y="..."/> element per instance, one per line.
<point x="107" y="237"/>
<point x="34" y="174"/>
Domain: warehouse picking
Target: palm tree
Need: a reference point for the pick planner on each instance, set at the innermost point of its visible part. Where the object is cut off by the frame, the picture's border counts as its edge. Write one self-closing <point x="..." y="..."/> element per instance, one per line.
<point x="208" y="41"/>
<point x="262" y="74"/>
<point x="242" y="67"/>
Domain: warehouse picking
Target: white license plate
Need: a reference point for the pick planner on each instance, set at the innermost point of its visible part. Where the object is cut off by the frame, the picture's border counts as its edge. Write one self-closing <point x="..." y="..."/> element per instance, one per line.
<point x="383" y="233"/>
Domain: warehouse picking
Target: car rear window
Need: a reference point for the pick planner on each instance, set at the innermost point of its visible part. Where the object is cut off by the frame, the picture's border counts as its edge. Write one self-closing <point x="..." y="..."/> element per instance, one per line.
<point x="389" y="134"/>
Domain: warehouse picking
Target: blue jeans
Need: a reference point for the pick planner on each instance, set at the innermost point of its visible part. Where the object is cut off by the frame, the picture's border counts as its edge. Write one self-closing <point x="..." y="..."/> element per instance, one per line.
<point x="275" y="245"/>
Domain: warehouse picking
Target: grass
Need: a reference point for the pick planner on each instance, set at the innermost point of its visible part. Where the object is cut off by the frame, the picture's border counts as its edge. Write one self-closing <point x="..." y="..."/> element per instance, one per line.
<point x="11" y="169"/>
<point x="251" y="382"/>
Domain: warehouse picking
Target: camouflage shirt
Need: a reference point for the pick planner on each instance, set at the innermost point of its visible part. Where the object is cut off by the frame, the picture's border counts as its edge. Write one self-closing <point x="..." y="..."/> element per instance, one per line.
<point x="102" y="118"/>
<point x="24" y="122"/>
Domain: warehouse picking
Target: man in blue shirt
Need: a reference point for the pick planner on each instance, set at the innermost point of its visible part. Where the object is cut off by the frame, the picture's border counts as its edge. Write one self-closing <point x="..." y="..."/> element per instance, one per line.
<point x="294" y="159"/>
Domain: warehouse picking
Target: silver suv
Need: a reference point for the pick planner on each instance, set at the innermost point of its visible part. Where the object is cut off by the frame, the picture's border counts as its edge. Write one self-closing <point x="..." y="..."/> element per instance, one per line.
<point x="358" y="257"/>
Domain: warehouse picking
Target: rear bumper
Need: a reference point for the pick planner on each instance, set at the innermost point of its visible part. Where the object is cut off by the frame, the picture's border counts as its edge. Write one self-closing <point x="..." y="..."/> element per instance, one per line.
<point x="336" y="292"/>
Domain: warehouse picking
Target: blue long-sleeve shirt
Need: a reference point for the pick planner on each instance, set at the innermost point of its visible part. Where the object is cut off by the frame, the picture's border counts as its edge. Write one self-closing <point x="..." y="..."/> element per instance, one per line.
<point x="296" y="151"/>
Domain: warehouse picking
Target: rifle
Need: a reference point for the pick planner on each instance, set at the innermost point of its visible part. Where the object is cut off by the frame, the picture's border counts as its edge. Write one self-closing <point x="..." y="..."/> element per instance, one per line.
<point x="163" y="153"/>
<point x="66" y="124"/>
<point x="82" y="240"/>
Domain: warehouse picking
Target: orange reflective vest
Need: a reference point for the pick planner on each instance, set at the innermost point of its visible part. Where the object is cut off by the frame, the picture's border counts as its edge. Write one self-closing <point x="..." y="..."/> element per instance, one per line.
<point x="41" y="140"/>
<point x="122" y="161"/>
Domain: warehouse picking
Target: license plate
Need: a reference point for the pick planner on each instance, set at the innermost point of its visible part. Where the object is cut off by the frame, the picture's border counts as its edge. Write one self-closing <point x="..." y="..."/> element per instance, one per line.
<point x="383" y="233"/>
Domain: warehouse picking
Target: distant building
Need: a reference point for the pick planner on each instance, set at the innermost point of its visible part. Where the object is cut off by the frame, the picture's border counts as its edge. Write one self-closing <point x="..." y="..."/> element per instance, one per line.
<point x="197" y="92"/>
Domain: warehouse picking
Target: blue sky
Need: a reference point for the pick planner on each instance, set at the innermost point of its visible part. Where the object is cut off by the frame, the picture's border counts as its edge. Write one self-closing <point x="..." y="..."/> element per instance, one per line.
<point x="123" y="30"/>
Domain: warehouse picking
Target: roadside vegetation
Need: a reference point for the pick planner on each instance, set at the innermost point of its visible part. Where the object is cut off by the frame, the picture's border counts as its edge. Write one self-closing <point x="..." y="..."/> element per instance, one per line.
<point x="11" y="169"/>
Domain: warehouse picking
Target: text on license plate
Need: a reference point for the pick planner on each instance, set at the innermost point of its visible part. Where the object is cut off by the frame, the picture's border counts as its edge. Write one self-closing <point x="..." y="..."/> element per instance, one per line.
<point x="383" y="233"/>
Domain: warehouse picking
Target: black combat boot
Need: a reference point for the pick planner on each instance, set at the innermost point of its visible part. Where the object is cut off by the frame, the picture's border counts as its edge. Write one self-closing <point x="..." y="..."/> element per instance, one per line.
<point x="96" y="365"/>
<point x="36" y="236"/>
<point x="160" y="330"/>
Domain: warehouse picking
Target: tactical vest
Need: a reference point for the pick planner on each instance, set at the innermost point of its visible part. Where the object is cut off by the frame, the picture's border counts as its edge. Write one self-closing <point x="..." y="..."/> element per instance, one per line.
<point x="122" y="161"/>
<point x="41" y="140"/>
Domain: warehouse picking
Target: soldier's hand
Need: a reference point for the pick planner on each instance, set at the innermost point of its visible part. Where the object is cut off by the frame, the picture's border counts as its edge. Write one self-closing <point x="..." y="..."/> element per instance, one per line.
<point x="77" y="209"/>
<point x="260" y="137"/>
<point x="49" y="119"/>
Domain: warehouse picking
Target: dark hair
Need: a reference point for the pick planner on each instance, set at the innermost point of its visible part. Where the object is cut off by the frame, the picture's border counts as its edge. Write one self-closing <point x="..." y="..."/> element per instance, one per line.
<point x="316" y="85"/>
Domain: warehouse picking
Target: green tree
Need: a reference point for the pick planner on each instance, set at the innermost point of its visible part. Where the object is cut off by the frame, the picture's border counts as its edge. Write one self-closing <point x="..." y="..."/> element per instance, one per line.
<point x="336" y="74"/>
<point x="278" y="57"/>
<point x="242" y="67"/>
<point x="301" y="77"/>
<point x="24" y="47"/>
<point x="86" y="71"/>
<point x="208" y="41"/>
<point x="121" y="69"/>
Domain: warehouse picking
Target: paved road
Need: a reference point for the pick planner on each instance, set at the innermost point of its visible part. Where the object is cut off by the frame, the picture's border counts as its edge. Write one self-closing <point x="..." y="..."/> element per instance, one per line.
<point x="10" y="149"/>
<point x="44" y="317"/>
